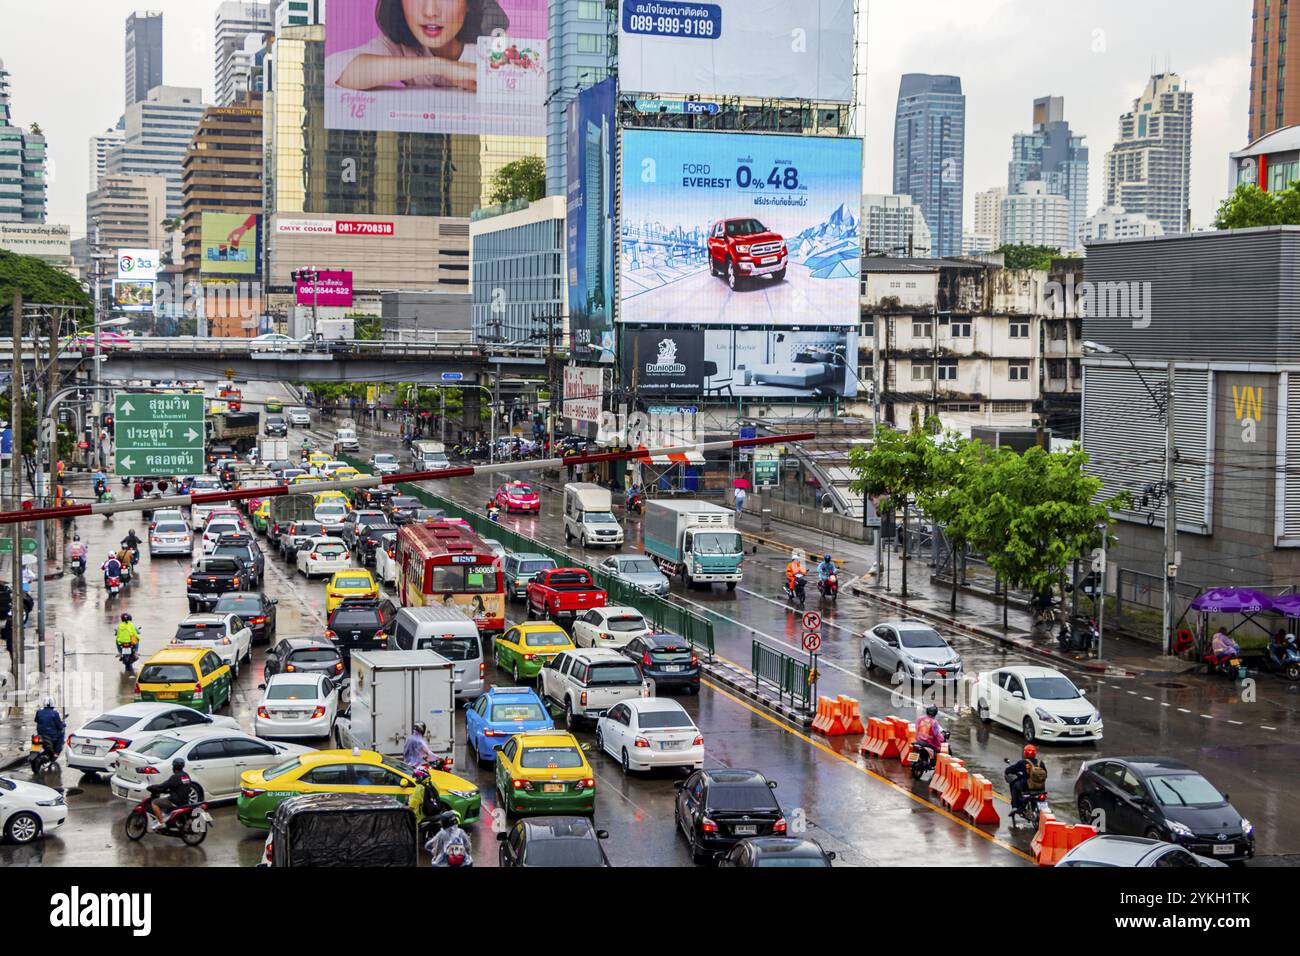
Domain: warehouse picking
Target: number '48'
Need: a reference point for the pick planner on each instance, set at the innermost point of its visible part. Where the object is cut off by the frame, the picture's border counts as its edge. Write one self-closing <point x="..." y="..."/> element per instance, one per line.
<point x="790" y="179"/>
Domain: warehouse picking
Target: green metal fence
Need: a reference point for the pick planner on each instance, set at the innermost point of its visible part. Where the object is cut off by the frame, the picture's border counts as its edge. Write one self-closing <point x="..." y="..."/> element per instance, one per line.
<point x="789" y="675"/>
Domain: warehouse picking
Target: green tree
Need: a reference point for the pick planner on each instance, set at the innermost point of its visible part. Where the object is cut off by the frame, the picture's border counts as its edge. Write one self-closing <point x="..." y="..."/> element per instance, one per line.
<point x="1021" y="256"/>
<point x="39" y="282"/>
<point x="522" y="179"/>
<point x="1249" y="207"/>
<point x="951" y="500"/>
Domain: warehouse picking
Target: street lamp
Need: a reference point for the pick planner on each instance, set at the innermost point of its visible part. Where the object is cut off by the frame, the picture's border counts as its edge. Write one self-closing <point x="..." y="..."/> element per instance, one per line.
<point x="1104" y="528"/>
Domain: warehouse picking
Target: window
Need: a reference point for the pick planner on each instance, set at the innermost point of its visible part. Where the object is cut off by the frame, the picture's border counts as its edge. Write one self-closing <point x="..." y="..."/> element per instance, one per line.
<point x="1018" y="371"/>
<point x="590" y="10"/>
<point x="591" y="43"/>
<point x="1056" y="369"/>
<point x="948" y="370"/>
<point x="242" y="747"/>
<point x="1019" y="330"/>
<point x="921" y="373"/>
<point x="335" y="775"/>
<point x="960" y="330"/>
<point x="208" y="750"/>
<point x="922" y="330"/>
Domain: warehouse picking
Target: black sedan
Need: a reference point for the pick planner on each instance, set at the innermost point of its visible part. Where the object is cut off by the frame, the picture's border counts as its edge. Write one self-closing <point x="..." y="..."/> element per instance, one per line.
<point x="1163" y="799"/>
<point x="368" y="539"/>
<point x="716" y="809"/>
<point x="666" y="659"/>
<point x="309" y="655"/>
<point x="777" y="851"/>
<point x="254" y="608"/>
<point x="553" y="841"/>
<point x="400" y="508"/>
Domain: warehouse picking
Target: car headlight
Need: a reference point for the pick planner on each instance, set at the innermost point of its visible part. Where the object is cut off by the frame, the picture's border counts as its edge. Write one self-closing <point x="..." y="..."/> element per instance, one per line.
<point x="1247" y="828"/>
<point x="1180" y="829"/>
<point x="464" y="794"/>
<point x="1046" y="717"/>
<point x="742" y="249"/>
<point x="56" y="802"/>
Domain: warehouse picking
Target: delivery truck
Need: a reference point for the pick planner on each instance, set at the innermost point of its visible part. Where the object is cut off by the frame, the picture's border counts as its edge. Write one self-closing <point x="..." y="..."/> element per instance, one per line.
<point x="694" y="540"/>
<point x="589" y="516"/>
<point x="273" y="449"/>
<point x="236" y="429"/>
<point x="392" y="691"/>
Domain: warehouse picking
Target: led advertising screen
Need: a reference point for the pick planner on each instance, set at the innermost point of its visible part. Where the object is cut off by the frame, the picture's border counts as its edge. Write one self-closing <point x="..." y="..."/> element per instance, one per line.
<point x="230" y="244"/>
<point x="758" y="48"/>
<point x="589" y="229"/>
<point x="663" y="362"/>
<point x="458" y="66"/>
<point x="138" y="264"/>
<point x="737" y="228"/>
<point x="332" y="288"/>
<point x="131" y="295"/>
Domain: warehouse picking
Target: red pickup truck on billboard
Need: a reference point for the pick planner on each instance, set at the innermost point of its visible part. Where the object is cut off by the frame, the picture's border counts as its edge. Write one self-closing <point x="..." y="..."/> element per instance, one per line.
<point x="561" y="594"/>
<point x="744" y="249"/>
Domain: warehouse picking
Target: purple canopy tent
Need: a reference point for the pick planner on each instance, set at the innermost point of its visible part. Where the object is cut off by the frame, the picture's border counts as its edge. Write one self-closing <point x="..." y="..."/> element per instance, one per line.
<point x="1246" y="602"/>
<point x="1288" y="605"/>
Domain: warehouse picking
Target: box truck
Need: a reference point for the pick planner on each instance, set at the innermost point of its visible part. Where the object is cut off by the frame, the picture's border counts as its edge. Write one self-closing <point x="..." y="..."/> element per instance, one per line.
<point x="695" y="540"/>
<point x="391" y="691"/>
<point x="589" y="516"/>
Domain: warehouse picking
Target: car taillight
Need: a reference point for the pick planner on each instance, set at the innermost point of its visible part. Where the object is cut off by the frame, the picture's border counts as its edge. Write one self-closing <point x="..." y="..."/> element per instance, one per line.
<point x="528" y="657"/>
<point x="235" y="582"/>
<point x="270" y="848"/>
<point x="198" y="688"/>
<point x="257" y="620"/>
<point x="338" y="667"/>
<point x="189" y="582"/>
<point x="347" y="555"/>
<point x="248" y="793"/>
<point x="330" y="635"/>
<point x="584" y="698"/>
<point x="149" y="770"/>
<point x="381" y="635"/>
<point x="318" y="712"/>
<point x="707" y="825"/>
<point x="137" y="688"/>
<point x="492" y="733"/>
<point x="642" y="742"/>
<point x="694" y="660"/>
<point x="587" y="783"/>
<point x="521" y="784"/>
<point x="482" y="669"/>
<point x="118" y="744"/>
<point x="698" y="741"/>
<point x="645" y="659"/>
<point x="289" y="668"/>
<point x="263" y="713"/>
<point x="313" y="556"/>
<point x="779" y="826"/>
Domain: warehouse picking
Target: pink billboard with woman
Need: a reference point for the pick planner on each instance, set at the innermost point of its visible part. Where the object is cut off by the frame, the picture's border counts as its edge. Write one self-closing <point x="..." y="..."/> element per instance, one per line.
<point x="436" y="66"/>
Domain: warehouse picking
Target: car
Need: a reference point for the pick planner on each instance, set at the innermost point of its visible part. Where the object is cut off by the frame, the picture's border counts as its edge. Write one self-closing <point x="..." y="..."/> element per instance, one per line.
<point x="261" y="516"/>
<point x="638" y="571"/>
<point x="777" y="851"/>
<point x="28" y="810"/>
<point x="299" y="417"/>
<point x="1162" y="799"/>
<point x="278" y="466"/>
<point x="520" y="568"/>
<point x="167" y="514"/>
<point x="716" y="809"/>
<point x="1040" y="702"/>
<point x="385" y="464"/>
<point x="499" y="714"/>
<point x="345" y="771"/>
<point x="212" y="577"/>
<point x="518" y="496"/>
<point x="570" y="842"/>
<point x="332" y="517"/>
<point x="911" y="649"/>
<point x="170" y="537"/>
<point x="649" y="733"/>
<point x="400" y="508"/>
<point x="587" y="682"/>
<point x="667" y="660"/>
<point x="355" y="520"/>
<point x="276" y="426"/>
<point x="743" y="249"/>
<point x="199" y="512"/>
<point x="272" y="342"/>
<point x="301" y="704"/>
<point x="609" y="627"/>
<point x="254" y="608"/>
<point x="297" y="534"/>
<point x="361" y="625"/>
<point x="318" y="557"/>
<point x="425" y="515"/>
<point x="386" y="558"/>
<point x="372" y="499"/>
<point x="544" y="771"/>
<point x="214" y="757"/>
<point x="227" y="634"/>
<point x="195" y="676"/>
<point x="496" y="547"/>
<point x="93" y="747"/>
<point x="523" y="649"/>
<point x="333" y="465"/>
<point x="308" y="655"/>
<point x="291" y="474"/>
<point x="217" y="526"/>
<point x="352" y="583"/>
<point x="1113" y="849"/>
<point x="243" y="547"/>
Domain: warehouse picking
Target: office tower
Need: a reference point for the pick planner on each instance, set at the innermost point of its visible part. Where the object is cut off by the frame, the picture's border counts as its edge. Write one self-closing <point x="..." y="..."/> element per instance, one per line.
<point x="1032" y="216"/>
<point x="895" y="226"/>
<point x="22" y="197"/>
<point x="1274" y="97"/>
<point x="1053" y="155"/>
<point x="1149" y="169"/>
<point x="157" y="134"/>
<point x="930" y="153"/>
<point x="578" y="40"/>
<point x="144" y="55"/>
<point x="101" y="144"/>
<point x="239" y="31"/>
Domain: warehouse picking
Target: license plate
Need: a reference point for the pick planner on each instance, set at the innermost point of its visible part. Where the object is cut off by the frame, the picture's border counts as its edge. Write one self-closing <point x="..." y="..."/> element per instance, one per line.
<point x="119" y="790"/>
<point x="1224" y="850"/>
<point x="167" y="696"/>
<point x="553" y="788"/>
<point x="1078" y="732"/>
<point x="672" y="668"/>
<point x="767" y="260"/>
<point x="88" y="751"/>
<point x="745" y="829"/>
<point x="672" y="744"/>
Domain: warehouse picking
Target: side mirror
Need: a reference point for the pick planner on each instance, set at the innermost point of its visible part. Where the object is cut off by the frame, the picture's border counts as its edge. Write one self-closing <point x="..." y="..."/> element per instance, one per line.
<point x="1018" y="695"/>
<point x="679" y="785"/>
<point x="1226" y="799"/>
<point x="771" y="785"/>
<point x="406" y="784"/>
<point x="586" y="748"/>
<point x="273" y="602"/>
<point x="602" y="834"/>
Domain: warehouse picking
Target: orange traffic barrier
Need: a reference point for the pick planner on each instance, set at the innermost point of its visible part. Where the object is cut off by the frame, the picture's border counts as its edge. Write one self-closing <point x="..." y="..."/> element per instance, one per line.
<point x="851" y="714"/>
<point x="943" y="767"/>
<point x="828" y="720"/>
<point x="1054" y="839"/>
<point x="1045" y="817"/>
<point x="979" y="806"/>
<point x="906" y="736"/>
<point x="882" y="740"/>
<point x="956" y="790"/>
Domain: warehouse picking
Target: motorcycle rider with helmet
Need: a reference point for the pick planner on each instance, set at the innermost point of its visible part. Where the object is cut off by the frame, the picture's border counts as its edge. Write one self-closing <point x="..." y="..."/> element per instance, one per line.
<point x="112" y="568"/>
<point x="50" y="727"/>
<point x="173" y="792"/>
<point x="929" y="733"/>
<point x="1018" y="775"/>
<point x="792" y="571"/>
<point x="77" y="552"/>
<point x="450" y="838"/>
<point x="128" y="635"/>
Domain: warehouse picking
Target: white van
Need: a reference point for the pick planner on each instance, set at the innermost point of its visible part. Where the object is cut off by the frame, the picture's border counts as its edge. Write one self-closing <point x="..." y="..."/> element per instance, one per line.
<point x="429" y="455"/>
<point x="589" y="516"/>
<point x="345" y="439"/>
<point x="448" y="633"/>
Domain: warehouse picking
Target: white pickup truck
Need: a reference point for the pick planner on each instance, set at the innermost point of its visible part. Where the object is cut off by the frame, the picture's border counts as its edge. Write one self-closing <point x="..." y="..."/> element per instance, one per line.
<point x="588" y="682"/>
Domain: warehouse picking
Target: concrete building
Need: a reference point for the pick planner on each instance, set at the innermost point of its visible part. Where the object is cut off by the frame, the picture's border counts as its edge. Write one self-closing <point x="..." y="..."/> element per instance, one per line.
<point x="23" y="196"/>
<point x="424" y="316"/>
<point x="578" y="43"/>
<point x="895" y="226"/>
<point x="158" y="130"/>
<point x="1053" y="155"/>
<point x="144" y="55"/>
<point x="974" y="244"/>
<point x="1149" y="170"/>
<point x="1032" y="216"/>
<point x="101" y="144"/>
<point x="297" y="13"/>
<point x="125" y="212"/>
<point x="518" y="260"/>
<point x="1271" y="162"/>
<point x="988" y="212"/>
<point x="1114" y="222"/>
<point x="930" y="153"/>
<point x="235" y="22"/>
<point x="1274" y="97"/>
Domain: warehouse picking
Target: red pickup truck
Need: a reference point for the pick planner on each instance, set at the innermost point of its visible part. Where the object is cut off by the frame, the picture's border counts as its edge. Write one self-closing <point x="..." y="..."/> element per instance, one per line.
<point x="744" y="249"/>
<point x="561" y="594"/>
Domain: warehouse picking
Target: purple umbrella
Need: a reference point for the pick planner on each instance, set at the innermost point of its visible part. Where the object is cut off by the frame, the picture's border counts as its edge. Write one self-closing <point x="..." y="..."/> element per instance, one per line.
<point x="1287" y="605"/>
<point x="1232" y="601"/>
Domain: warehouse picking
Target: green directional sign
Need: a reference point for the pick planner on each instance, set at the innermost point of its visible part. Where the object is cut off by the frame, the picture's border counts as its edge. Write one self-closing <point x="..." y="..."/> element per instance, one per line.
<point x="159" y="435"/>
<point x="7" y="545"/>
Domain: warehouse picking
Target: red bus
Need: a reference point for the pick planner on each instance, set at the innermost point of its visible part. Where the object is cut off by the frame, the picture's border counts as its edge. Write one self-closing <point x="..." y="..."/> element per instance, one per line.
<point x="445" y="563"/>
<point x="233" y="398"/>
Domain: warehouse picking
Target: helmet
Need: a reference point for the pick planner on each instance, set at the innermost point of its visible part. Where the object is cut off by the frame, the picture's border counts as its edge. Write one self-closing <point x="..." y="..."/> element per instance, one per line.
<point x="126" y="618"/>
<point x="76" y="537"/>
<point x="178" y="764"/>
<point x="48" y="701"/>
<point x="447" y="820"/>
<point x="1030" y="751"/>
<point x="826" y="557"/>
<point x="112" y="555"/>
<point x="932" y="711"/>
<point x="419" y="728"/>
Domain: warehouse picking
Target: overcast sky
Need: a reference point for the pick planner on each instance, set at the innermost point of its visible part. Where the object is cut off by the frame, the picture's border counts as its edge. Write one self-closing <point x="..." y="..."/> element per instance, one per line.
<point x="66" y="61"/>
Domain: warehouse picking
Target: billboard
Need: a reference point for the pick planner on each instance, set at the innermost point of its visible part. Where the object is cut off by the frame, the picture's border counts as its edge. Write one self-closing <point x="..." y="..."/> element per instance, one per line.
<point x="758" y="48"/>
<point x="739" y="228"/>
<point x="589" y="229"/>
<point x="36" y="239"/>
<point x="133" y="295"/>
<point x="231" y="244"/>
<point x="331" y="289"/>
<point x="662" y="362"/>
<point x="363" y="228"/>
<point x="475" y="67"/>
<point x="138" y="264"/>
<point x="584" y="392"/>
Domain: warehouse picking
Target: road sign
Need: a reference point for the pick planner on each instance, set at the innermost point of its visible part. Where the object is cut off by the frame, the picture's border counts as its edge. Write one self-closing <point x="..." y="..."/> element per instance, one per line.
<point x="767" y="470"/>
<point x="812" y="621"/>
<point x="7" y="545"/>
<point x="453" y="376"/>
<point x="159" y="435"/>
<point x="812" y="641"/>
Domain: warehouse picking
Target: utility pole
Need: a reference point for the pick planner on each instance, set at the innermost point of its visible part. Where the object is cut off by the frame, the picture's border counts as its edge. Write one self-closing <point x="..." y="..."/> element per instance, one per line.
<point x="877" y="381"/>
<point x="1171" y="515"/>
<point x="16" y="635"/>
<point x="95" y="450"/>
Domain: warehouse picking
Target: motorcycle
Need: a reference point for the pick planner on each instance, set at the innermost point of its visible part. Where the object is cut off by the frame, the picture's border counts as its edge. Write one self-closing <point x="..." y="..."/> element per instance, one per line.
<point x="79" y="567"/>
<point x="128" y="654"/>
<point x="830" y="587"/>
<point x="43" y="756"/>
<point x="636" y="504"/>
<point x="188" y="824"/>
<point x="101" y="486"/>
<point x="796" y="595"/>
<point x="1231" y="667"/>
<point x="1284" y="661"/>
<point x="1031" y="807"/>
<point x="923" y="759"/>
<point x="1071" y="639"/>
<point x="113" y="585"/>
<point x="494" y="514"/>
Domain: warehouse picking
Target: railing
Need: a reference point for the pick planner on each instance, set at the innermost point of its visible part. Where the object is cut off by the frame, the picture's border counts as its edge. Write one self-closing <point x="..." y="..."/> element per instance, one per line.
<point x="789" y="675"/>
<point x="435" y="344"/>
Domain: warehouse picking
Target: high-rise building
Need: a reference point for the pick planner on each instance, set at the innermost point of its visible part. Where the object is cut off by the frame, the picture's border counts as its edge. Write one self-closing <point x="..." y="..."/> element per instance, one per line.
<point x="977" y="244"/>
<point x="578" y="39"/>
<point x="895" y="226"/>
<point x="144" y="55"/>
<point x="157" y="134"/>
<point x="1149" y="171"/>
<point x="1052" y="154"/>
<point x="125" y="212"/>
<point x="1032" y="216"/>
<point x="297" y="13"/>
<point x="101" y="144"/>
<point x="988" y="212"/>
<point x="1274" y="97"/>
<point x="930" y="153"/>
<point x="1114" y="222"/>
<point x="239" y="29"/>
<point x="23" y="196"/>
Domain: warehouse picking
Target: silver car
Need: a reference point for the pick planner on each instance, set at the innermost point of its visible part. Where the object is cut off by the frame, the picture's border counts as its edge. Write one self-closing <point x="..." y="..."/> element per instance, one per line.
<point x="171" y="536"/>
<point x="638" y="571"/>
<point x="911" y="648"/>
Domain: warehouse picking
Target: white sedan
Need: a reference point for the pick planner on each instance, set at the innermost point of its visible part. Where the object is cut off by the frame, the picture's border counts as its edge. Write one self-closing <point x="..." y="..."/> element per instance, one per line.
<point x="215" y="757"/>
<point x="225" y="634"/>
<point x="1039" y="702"/>
<point x="385" y="464"/>
<point x="609" y="627"/>
<point x="650" y="732"/>
<point x="94" y="747"/>
<point x="297" y="705"/>
<point x="29" y="810"/>
<point x="272" y="342"/>
<point x="323" y="556"/>
<point x="386" y="559"/>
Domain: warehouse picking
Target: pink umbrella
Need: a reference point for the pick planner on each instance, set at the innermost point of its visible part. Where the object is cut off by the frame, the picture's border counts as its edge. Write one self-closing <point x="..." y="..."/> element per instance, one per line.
<point x="740" y="483"/>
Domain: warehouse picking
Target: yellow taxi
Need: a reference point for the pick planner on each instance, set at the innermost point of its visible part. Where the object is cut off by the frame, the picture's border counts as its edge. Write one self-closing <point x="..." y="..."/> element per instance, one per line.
<point x="305" y="480"/>
<point x="194" y="676"/>
<point x="355" y="583"/>
<point x="544" y="771"/>
<point x="346" y="472"/>
<point x="524" y="649"/>
<point x="331" y="498"/>
<point x="262" y="516"/>
<point x="318" y="459"/>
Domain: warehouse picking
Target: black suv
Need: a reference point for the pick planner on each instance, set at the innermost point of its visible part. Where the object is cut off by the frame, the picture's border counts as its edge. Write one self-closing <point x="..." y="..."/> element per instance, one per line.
<point x="369" y="539"/>
<point x="400" y="508"/>
<point x="716" y="809"/>
<point x="361" y="625"/>
<point x="242" y="546"/>
<point x="277" y="426"/>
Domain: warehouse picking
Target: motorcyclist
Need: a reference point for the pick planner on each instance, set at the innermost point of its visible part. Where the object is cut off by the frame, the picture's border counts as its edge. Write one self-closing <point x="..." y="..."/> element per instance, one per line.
<point x="132" y="542"/>
<point x="416" y="750"/>
<point x="929" y="734"/>
<point x="826" y="569"/>
<point x="100" y="482"/>
<point x="50" y="727"/>
<point x="1224" y="647"/>
<point x="77" y="550"/>
<point x="1018" y="775"/>
<point x="112" y="568"/>
<point x="449" y="836"/>
<point x="128" y="635"/>
<point x="793" y="570"/>
<point x="173" y="792"/>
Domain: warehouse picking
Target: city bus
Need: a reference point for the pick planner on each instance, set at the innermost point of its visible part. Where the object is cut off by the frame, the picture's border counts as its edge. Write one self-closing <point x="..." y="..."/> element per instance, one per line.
<point x="232" y="396"/>
<point x="440" y="563"/>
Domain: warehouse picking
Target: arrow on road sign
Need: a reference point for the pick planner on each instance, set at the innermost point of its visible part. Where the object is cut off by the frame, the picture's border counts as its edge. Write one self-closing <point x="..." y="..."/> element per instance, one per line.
<point x="129" y="462"/>
<point x="127" y="408"/>
<point x="811" y="641"/>
<point x="812" y="621"/>
<point x="191" y="434"/>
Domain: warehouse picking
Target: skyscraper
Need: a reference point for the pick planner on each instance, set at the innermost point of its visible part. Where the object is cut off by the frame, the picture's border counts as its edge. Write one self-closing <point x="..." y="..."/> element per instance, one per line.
<point x="1053" y="155"/>
<point x="235" y="22"/>
<point x="578" y="41"/>
<point x="22" y="197"/>
<point x="158" y="131"/>
<point x="101" y="144"/>
<point x="144" y="55"/>
<point x="930" y="154"/>
<point x="1274" y="97"/>
<point x="895" y="226"/>
<point x="1149" y="171"/>
<point x="988" y="214"/>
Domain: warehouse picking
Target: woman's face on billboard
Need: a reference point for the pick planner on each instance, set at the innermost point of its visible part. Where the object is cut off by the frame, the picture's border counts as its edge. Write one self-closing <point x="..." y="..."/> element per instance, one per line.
<point x="434" y="23"/>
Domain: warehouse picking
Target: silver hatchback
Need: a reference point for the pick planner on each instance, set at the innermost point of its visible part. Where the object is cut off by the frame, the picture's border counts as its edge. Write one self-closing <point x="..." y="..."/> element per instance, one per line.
<point x="913" y="649"/>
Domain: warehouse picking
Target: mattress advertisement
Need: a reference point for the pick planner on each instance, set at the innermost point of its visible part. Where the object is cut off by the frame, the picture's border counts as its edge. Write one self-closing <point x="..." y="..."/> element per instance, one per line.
<point x="739" y="229"/>
<point x="776" y="363"/>
<point x="589" y="227"/>
<point x="475" y="67"/>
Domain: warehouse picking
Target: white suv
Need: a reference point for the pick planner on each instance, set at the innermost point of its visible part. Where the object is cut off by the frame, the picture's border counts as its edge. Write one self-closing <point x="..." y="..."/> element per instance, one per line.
<point x="587" y="683"/>
<point x="227" y="635"/>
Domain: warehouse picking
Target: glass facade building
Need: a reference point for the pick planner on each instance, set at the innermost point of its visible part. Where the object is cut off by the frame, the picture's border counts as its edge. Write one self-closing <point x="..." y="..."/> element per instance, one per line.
<point x="144" y="55"/>
<point x="1054" y="156"/>
<point x="518" y="270"/>
<point x="22" y="165"/>
<point x="579" y="36"/>
<point x="930" y="154"/>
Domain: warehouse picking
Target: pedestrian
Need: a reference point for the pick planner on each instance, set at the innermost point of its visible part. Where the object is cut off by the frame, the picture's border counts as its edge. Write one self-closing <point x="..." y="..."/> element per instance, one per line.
<point x="740" y="501"/>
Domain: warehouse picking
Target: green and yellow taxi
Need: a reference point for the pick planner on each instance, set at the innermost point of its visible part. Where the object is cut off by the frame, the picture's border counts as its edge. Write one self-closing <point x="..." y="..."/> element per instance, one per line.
<point x="354" y="583"/>
<point x="274" y="408"/>
<point x="544" y="771"/>
<point x="318" y="459"/>
<point x="262" y="515"/>
<point x="524" y="649"/>
<point x="345" y="771"/>
<point x="195" y="676"/>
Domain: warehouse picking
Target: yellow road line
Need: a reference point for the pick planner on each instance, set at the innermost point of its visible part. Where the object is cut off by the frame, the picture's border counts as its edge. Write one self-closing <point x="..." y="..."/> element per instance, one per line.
<point x="870" y="773"/>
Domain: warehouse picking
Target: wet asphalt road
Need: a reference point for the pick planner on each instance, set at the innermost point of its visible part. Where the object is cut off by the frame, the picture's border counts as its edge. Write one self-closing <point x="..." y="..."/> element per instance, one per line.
<point x="869" y="812"/>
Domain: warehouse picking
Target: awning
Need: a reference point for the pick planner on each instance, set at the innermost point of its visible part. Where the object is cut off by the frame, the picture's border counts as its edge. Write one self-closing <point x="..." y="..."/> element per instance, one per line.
<point x="683" y="458"/>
